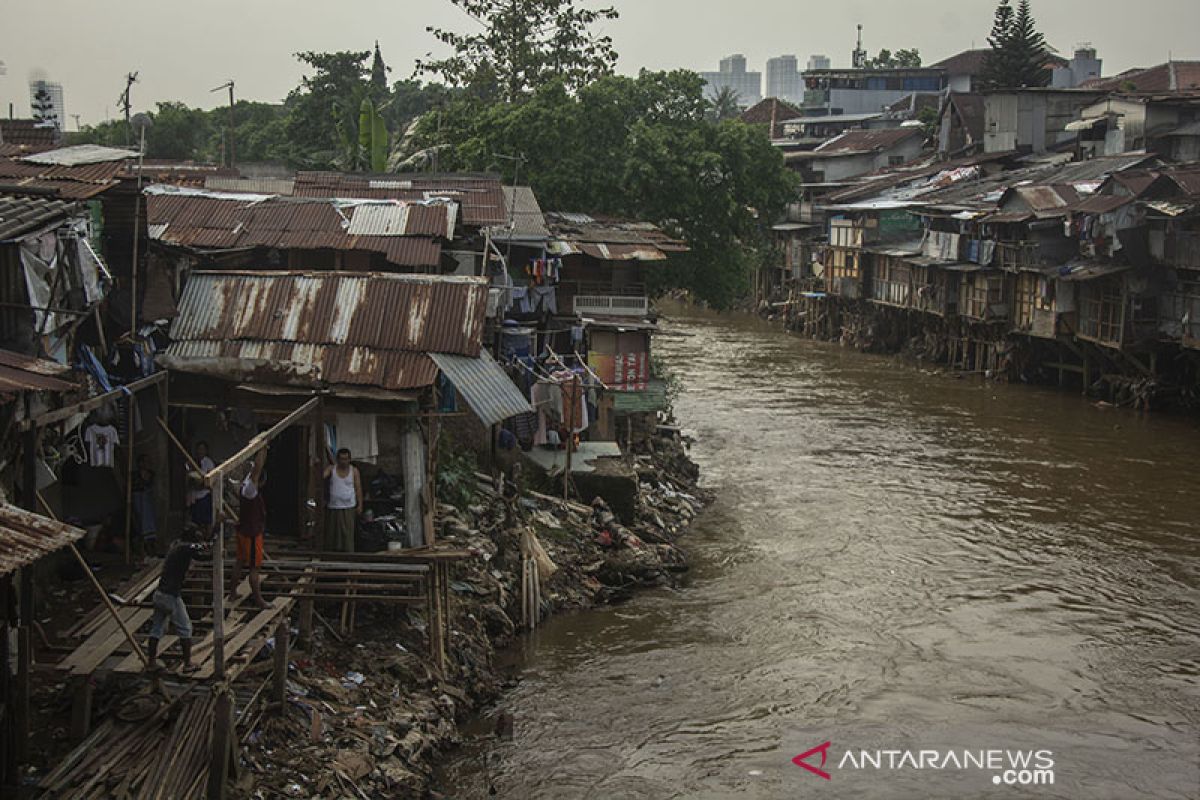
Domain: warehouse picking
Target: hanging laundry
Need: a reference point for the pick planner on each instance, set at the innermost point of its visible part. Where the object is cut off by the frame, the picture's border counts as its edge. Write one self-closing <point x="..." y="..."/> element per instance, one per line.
<point x="101" y="441"/>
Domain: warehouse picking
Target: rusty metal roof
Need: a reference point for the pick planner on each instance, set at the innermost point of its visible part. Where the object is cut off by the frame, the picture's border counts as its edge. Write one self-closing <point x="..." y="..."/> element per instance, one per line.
<point x="481" y="197"/>
<point x="326" y="328"/>
<point x="29" y="132"/>
<point x="866" y="141"/>
<point x="219" y="221"/>
<point x="20" y="373"/>
<point x="610" y="239"/>
<point x="23" y="215"/>
<point x="76" y="182"/>
<point x="26" y="537"/>
<point x="281" y="186"/>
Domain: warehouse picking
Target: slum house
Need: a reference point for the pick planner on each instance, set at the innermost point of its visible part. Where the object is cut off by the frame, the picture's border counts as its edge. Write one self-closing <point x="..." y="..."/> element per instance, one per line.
<point x="577" y="325"/>
<point x="1165" y="124"/>
<point x="479" y="197"/>
<point x="1171" y="201"/>
<point x="856" y="153"/>
<point x="377" y="348"/>
<point x="960" y="125"/>
<point x="205" y="228"/>
<point x="1033" y="120"/>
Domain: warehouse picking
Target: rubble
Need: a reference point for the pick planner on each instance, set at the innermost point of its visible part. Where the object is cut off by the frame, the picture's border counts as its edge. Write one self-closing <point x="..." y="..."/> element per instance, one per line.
<point x="369" y="718"/>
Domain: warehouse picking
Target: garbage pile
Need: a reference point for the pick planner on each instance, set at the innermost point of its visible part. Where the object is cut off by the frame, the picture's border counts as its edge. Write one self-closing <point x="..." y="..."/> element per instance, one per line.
<point x="367" y="718"/>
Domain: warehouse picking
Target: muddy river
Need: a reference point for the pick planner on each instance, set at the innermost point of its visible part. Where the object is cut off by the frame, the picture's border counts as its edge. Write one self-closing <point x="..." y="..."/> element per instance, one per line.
<point x="938" y="577"/>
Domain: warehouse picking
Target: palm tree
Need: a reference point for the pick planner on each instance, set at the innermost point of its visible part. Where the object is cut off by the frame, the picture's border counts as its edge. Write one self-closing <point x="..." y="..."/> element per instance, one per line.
<point x="724" y="105"/>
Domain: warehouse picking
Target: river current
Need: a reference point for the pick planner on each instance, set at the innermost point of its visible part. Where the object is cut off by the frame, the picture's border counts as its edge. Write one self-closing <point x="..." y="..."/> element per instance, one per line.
<point x="896" y="560"/>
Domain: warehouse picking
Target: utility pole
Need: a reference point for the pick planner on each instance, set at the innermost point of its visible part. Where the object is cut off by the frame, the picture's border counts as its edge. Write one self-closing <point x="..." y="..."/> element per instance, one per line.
<point x="232" y="149"/>
<point x="517" y="160"/>
<point x="124" y="103"/>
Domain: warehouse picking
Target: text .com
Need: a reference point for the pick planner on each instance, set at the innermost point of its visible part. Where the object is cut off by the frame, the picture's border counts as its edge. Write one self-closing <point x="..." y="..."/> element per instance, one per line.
<point x="1008" y="767"/>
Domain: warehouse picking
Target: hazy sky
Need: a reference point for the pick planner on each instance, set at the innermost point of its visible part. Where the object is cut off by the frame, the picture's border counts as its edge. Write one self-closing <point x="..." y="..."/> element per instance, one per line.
<point x="184" y="48"/>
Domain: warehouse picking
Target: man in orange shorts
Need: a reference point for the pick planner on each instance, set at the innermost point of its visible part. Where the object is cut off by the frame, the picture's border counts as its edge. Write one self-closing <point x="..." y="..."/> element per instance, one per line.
<point x="252" y="524"/>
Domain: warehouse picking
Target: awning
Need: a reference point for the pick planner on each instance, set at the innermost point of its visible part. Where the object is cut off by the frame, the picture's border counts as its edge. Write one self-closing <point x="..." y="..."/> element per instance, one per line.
<point x="491" y="395"/>
<point x="26" y="537"/>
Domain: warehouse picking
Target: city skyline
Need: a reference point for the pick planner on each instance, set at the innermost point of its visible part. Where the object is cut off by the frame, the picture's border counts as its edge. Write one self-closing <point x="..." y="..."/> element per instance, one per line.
<point x="256" y="49"/>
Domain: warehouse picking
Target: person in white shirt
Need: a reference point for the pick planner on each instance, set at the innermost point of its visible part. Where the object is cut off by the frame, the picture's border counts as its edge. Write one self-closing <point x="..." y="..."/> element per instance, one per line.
<point x="200" y="500"/>
<point x="345" y="503"/>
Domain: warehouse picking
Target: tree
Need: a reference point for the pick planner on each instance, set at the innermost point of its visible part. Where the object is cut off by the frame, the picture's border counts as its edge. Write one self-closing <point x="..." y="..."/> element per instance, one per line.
<point x="323" y="112"/>
<point x="180" y="132"/>
<point x="633" y="147"/>
<point x="43" y="107"/>
<point x="524" y="45"/>
<point x="901" y="59"/>
<point x="725" y="105"/>
<point x="1019" y="53"/>
<point x="379" y="70"/>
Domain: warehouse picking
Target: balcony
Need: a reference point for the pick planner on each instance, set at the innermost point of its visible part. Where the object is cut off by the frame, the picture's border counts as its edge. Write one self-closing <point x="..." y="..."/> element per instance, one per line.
<point x="608" y="305"/>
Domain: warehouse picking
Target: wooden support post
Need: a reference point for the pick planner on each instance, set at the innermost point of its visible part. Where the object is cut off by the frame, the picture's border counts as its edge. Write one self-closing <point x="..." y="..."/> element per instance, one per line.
<point x="81" y="708"/>
<point x="21" y="706"/>
<point x="222" y="743"/>
<point x="305" y="639"/>
<point x="218" y="590"/>
<point x="130" y="447"/>
<point x="162" y="473"/>
<point x="414" y="484"/>
<point x="282" y="634"/>
<point x="8" y="753"/>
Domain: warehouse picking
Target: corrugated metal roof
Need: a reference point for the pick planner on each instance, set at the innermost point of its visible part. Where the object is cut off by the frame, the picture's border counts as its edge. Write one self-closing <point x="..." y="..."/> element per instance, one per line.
<point x="528" y="223"/>
<point x="19" y="373"/>
<point x="489" y="391"/>
<point x="610" y="239"/>
<point x="26" y="537"/>
<point x="29" y="133"/>
<point x="73" y="182"/>
<point x="331" y="327"/>
<point x="1100" y="204"/>
<point x="22" y="215"/>
<point x="280" y="186"/>
<point x="188" y="219"/>
<point x="866" y="141"/>
<point x="481" y="197"/>
<point x="81" y="154"/>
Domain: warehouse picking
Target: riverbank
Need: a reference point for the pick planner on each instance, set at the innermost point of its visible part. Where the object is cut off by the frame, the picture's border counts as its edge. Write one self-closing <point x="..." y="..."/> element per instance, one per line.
<point x="368" y="716"/>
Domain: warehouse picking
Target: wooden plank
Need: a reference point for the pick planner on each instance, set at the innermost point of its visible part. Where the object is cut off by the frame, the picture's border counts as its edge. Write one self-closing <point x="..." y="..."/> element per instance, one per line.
<point x="245" y="632"/>
<point x="66" y="412"/>
<point x="96" y="651"/>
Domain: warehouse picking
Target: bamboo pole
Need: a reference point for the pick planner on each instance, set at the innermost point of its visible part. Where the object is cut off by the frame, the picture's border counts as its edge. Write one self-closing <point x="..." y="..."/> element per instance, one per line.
<point x="96" y="583"/>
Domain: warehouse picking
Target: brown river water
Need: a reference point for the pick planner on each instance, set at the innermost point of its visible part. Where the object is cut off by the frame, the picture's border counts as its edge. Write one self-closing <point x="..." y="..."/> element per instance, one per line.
<point x="895" y="560"/>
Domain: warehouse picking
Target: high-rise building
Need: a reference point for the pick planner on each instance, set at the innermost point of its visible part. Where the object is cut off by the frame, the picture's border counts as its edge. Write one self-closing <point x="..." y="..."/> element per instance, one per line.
<point x="818" y="62"/>
<point x="46" y="103"/>
<point x="733" y="75"/>
<point x="783" y="79"/>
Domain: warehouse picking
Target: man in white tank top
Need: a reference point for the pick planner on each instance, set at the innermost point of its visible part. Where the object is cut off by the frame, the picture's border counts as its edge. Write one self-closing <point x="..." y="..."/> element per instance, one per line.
<point x="345" y="503"/>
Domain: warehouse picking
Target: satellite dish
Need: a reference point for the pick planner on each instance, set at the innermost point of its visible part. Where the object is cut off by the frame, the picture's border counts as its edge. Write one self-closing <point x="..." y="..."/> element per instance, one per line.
<point x="141" y="121"/>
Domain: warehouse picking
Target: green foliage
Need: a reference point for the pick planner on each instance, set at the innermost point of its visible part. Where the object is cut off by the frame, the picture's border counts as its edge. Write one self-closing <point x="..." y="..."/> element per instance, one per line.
<point x="524" y="45"/>
<point x="636" y="147"/>
<point x="901" y="59"/>
<point x="456" y="475"/>
<point x="192" y="134"/>
<point x="1019" y="53"/>
<point x="725" y="105"/>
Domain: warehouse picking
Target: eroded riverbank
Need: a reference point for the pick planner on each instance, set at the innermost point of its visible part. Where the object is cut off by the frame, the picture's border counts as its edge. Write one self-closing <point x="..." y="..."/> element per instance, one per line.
<point x="892" y="558"/>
